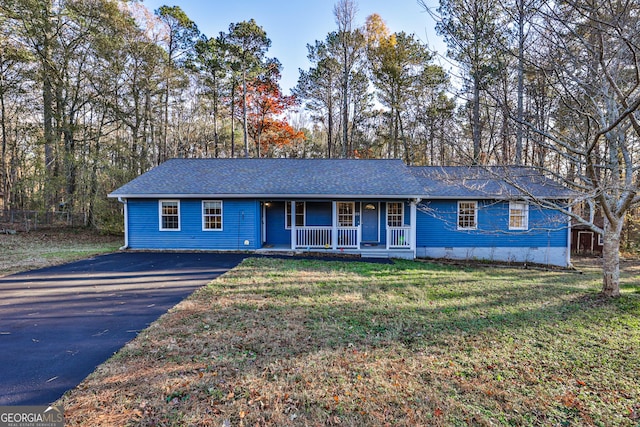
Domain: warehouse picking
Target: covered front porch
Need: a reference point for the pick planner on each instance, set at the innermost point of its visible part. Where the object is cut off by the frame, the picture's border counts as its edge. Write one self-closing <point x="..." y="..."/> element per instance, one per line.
<point x="365" y="227"/>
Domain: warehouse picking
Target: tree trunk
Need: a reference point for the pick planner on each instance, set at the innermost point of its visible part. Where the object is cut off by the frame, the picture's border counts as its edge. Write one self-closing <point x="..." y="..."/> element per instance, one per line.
<point x="216" y="136"/>
<point x="330" y="125"/>
<point x="345" y="108"/>
<point x="519" y="128"/>
<point x="233" y="120"/>
<point x="164" y="152"/>
<point x="475" y="123"/>
<point x="49" y="137"/>
<point x="244" y="114"/>
<point x="3" y="165"/>
<point x="611" y="259"/>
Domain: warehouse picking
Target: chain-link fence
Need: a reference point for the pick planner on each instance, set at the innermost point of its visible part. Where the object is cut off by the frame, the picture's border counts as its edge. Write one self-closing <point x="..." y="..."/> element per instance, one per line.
<point x="20" y="220"/>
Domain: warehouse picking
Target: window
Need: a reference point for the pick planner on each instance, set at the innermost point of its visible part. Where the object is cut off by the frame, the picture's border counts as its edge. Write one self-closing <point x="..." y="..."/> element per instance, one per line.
<point x="518" y="216"/>
<point x="395" y="214"/>
<point x="346" y="214"/>
<point x="300" y="206"/>
<point x="467" y="215"/>
<point x="212" y="215"/>
<point x="170" y="215"/>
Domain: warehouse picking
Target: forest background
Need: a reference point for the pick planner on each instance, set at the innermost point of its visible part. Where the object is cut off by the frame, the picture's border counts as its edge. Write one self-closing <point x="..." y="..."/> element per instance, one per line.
<point x="96" y="92"/>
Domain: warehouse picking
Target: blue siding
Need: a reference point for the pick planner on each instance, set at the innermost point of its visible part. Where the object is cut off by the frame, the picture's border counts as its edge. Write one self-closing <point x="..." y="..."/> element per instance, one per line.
<point x="318" y="213"/>
<point x="241" y="222"/>
<point x="437" y="227"/>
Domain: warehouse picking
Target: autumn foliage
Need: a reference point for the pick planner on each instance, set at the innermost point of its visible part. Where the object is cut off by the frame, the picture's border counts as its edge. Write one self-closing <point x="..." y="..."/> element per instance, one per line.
<point x="266" y="105"/>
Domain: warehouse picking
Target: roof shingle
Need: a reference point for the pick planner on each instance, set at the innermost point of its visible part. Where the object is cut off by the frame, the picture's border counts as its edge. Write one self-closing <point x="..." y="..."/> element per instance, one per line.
<point x="336" y="178"/>
<point x="496" y="182"/>
<point x="273" y="177"/>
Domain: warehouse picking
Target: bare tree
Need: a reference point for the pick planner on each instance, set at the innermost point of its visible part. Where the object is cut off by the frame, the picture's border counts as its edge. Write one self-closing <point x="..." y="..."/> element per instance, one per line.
<point x="594" y="74"/>
<point x="351" y="44"/>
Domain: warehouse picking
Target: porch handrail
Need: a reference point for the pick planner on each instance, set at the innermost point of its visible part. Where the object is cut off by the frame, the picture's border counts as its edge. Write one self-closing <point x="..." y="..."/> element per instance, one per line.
<point x="349" y="237"/>
<point x="313" y="237"/>
<point x="320" y="237"/>
<point x="398" y="237"/>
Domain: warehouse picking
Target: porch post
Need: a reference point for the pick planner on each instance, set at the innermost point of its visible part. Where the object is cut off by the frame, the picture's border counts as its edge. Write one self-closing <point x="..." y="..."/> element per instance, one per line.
<point x="413" y="238"/>
<point x="294" y="234"/>
<point x="334" y="225"/>
<point x="568" y="260"/>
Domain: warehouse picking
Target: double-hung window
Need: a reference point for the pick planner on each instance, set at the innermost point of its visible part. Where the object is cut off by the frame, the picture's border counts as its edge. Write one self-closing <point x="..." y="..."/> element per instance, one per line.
<point x="300" y="207"/>
<point x="467" y="215"/>
<point x="346" y="212"/>
<point x="169" y="215"/>
<point x="518" y="216"/>
<point x="395" y="214"/>
<point x="212" y="215"/>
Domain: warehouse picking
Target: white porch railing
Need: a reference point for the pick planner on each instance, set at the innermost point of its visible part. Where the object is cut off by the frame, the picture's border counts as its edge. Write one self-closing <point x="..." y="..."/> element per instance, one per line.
<point x="313" y="237"/>
<point x="349" y="237"/>
<point x="321" y="237"/>
<point x="398" y="237"/>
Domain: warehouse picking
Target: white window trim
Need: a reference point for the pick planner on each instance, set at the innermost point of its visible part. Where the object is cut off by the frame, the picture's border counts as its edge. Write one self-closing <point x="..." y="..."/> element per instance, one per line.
<point x="353" y="214"/>
<point x="221" y="216"/>
<point x="525" y="225"/>
<point x="160" y="202"/>
<point x="287" y="215"/>
<point x="401" y="214"/>
<point x="475" y="215"/>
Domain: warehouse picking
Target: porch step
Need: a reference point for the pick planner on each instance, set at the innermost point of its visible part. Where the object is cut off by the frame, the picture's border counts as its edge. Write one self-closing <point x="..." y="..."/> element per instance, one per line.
<point x="374" y="254"/>
<point x="386" y="254"/>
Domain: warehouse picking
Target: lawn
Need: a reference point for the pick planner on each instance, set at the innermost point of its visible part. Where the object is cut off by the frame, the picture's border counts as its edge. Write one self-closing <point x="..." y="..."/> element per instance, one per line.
<point x="301" y="342"/>
<point x="46" y="247"/>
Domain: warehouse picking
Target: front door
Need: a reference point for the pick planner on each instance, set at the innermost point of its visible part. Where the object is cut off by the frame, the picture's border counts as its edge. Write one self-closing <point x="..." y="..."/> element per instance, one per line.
<point x="370" y="222"/>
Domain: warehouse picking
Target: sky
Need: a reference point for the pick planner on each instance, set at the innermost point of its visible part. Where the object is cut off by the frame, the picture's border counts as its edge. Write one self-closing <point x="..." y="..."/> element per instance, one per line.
<point x="292" y="24"/>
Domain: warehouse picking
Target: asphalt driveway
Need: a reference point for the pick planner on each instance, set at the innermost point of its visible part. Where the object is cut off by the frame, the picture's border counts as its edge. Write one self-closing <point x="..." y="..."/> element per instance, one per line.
<point x="57" y="324"/>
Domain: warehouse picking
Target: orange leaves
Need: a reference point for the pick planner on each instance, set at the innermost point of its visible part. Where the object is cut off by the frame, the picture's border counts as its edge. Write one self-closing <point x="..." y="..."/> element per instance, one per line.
<point x="570" y="400"/>
<point x="278" y="133"/>
<point x="266" y="105"/>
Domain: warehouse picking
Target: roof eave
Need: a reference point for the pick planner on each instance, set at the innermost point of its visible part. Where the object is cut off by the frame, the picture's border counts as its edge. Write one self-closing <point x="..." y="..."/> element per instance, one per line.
<point x="502" y="197"/>
<point x="263" y="196"/>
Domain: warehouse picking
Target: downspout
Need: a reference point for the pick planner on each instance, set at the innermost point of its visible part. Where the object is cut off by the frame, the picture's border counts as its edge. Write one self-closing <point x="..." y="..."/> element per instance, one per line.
<point x="126" y="223"/>
<point x="414" y="225"/>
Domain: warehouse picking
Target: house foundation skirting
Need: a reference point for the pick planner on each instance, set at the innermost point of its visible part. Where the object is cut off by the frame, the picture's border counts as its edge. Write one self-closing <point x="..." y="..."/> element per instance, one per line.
<point x="548" y="256"/>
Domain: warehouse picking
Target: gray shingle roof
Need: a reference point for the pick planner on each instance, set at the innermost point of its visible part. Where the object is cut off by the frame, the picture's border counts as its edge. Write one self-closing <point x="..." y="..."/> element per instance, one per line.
<point x="273" y="177"/>
<point x="499" y="182"/>
<point x="337" y="178"/>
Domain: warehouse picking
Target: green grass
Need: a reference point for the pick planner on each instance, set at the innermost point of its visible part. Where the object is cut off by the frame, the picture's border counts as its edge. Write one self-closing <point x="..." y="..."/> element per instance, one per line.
<point x="286" y="342"/>
<point x="42" y="248"/>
